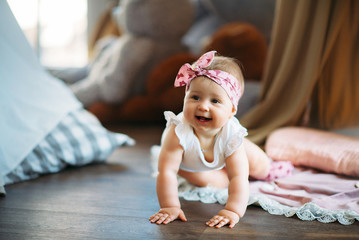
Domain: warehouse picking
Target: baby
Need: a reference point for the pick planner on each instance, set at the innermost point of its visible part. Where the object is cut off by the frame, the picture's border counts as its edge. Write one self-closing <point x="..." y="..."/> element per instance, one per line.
<point x="205" y="143"/>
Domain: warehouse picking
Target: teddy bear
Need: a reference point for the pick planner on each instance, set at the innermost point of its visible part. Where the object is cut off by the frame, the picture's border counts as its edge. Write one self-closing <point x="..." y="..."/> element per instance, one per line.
<point x="237" y="39"/>
<point x="151" y="30"/>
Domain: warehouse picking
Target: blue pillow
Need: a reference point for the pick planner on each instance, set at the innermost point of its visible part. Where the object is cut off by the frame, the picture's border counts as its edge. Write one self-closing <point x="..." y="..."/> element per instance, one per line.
<point x="79" y="139"/>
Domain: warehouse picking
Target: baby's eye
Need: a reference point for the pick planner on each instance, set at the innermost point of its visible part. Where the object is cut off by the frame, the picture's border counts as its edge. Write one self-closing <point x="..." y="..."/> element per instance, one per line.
<point x="195" y="97"/>
<point x="215" y="100"/>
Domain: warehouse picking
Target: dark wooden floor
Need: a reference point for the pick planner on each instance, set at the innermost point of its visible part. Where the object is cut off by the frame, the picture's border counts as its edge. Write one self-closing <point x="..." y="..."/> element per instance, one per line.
<point x="114" y="201"/>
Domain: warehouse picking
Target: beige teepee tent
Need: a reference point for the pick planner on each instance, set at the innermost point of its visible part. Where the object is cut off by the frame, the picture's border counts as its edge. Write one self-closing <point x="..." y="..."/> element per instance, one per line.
<point x="313" y="64"/>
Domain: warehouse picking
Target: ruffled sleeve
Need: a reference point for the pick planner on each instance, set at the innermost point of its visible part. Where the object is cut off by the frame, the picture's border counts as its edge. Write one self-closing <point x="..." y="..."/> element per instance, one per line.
<point x="236" y="133"/>
<point x="171" y="118"/>
<point x="181" y="129"/>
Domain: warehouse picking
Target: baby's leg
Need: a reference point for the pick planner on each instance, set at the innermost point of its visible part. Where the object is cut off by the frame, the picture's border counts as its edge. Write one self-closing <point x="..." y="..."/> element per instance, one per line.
<point x="259" y="163"/>
<point x="214" y="178"/>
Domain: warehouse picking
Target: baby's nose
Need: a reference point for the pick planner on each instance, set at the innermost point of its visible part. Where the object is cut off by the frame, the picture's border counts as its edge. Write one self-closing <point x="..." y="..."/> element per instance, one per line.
<point x="203" y="106"/>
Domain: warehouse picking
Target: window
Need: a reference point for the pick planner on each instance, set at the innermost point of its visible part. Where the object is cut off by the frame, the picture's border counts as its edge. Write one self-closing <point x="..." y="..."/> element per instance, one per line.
<point x="57" y="30"/>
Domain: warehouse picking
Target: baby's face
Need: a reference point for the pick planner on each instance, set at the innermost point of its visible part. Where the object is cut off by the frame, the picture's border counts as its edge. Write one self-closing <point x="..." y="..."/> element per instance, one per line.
<point x="207" y="106"/>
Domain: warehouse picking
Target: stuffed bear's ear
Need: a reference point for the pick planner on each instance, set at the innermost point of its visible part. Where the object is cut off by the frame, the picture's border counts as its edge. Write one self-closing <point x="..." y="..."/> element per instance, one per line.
<point x="242" y="41"/>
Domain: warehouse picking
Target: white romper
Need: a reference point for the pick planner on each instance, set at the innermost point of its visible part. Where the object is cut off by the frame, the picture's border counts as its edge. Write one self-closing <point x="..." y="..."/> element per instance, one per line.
<point x="228" y="140"/>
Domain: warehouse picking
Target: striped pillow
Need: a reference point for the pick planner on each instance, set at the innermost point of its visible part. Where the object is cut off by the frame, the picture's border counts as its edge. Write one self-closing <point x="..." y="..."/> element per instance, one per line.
<point x="79" y="139"/>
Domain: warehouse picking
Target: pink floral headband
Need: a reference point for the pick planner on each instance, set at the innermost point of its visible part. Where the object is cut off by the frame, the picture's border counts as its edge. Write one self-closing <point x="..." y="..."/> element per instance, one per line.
<point x="227" y="81"/>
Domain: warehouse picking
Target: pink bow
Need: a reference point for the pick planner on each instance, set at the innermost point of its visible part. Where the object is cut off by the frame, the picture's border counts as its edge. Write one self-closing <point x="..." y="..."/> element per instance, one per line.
<point x="227" y="81"/>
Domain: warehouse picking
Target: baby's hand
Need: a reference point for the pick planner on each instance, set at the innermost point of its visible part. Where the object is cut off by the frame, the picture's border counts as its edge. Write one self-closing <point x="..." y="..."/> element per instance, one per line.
<point x="167" y="215"/>
<point x="223" y="217"/>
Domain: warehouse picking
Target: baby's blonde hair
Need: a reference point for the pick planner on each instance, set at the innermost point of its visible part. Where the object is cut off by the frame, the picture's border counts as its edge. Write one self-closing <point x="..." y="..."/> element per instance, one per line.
<point x="229" y="65"/>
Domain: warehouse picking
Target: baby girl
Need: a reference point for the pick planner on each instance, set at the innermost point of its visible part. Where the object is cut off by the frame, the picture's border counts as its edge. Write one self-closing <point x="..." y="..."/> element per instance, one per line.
<point x="206" y="144"/>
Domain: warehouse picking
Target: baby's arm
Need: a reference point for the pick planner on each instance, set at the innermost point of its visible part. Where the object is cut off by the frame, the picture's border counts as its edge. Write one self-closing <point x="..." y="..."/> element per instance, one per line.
<point x="167" y="186"/>
<point x="238" y="191"/>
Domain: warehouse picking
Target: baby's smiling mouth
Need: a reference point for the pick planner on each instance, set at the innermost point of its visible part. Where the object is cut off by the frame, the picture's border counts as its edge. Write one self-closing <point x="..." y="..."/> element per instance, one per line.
<point x="203" y="119"/>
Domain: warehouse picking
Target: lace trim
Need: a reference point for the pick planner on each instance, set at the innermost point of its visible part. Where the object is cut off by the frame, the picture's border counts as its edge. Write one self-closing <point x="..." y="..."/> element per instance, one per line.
<point x="307" y="212"/>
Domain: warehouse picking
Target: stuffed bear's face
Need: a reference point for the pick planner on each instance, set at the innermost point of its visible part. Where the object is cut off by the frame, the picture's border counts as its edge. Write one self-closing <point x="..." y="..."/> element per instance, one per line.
<point x="158" y="19"/>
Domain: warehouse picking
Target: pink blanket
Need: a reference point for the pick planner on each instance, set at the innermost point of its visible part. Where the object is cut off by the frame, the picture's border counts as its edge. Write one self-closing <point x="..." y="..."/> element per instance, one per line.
<point x="309" y="194"/>
<point x="330" y="191"/>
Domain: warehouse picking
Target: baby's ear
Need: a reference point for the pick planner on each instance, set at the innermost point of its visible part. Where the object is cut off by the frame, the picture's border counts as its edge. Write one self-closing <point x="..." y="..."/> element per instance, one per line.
<point x="234" y="111"/>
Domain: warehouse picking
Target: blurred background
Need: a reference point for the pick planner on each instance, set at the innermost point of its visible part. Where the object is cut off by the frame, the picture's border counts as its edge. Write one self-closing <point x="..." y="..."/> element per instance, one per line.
<point x="59" y="30"/>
